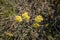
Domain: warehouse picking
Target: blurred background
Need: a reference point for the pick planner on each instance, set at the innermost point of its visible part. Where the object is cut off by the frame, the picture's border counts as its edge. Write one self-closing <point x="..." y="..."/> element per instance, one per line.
<point x="12" y="30"/>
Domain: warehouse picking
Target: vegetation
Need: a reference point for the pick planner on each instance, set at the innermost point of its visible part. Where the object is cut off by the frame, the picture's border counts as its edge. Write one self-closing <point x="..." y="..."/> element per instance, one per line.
<point x="29" y="20"/>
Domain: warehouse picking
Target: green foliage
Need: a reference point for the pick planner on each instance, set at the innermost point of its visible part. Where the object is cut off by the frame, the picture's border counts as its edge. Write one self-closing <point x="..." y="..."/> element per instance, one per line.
<point x="24" y="30"/>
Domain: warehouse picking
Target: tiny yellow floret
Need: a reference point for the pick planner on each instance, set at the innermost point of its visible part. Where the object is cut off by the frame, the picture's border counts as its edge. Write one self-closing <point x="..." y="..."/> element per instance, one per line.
<point x="26" y="16"/>
<point x="36" y="25"/>
<point x="9" y="34"/>
<point x="18" y="18"/>
<point x="46" y="24"/>
<point x="38" y="18"/>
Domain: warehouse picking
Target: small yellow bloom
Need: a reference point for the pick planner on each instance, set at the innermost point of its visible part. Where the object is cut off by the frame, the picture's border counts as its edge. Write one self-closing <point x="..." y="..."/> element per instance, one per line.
<point x="9" y="34"/>
<point x="26" y="16"/>
<point x="18" y="18"/>
<point x="39" y="18"/>
<point x="36" y="25"/>
<point x="46" y="24"/>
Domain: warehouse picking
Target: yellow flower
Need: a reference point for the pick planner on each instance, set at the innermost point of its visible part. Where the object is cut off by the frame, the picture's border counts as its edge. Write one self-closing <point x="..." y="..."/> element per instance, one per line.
<point x="39" y="18"/>
<point x="18" y="18"/>
<point x="26" y="16"/>
<point x="36" y="25"/>
<point x="9" y="34"/>
<point x="46" y="24"/>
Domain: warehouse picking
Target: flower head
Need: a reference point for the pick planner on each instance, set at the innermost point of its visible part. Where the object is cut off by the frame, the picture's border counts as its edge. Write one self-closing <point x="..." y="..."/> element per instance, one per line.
<point x="39" y="18"/>
<point x="46" y="25"/>
<point x="9" y="34"/>
<point x="26" y="16"/>
<point x="18" y="18"/>
<point x="36" y="25"/>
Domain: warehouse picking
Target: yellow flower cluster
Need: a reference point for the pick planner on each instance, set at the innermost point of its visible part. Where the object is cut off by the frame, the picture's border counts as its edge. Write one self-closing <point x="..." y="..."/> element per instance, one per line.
<point x="9" y="34"/>
<point x="18" y="18"/>
<point x="26" y="16"/>
<point x="36" y="25"/>
<point x="38" y="18"/>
